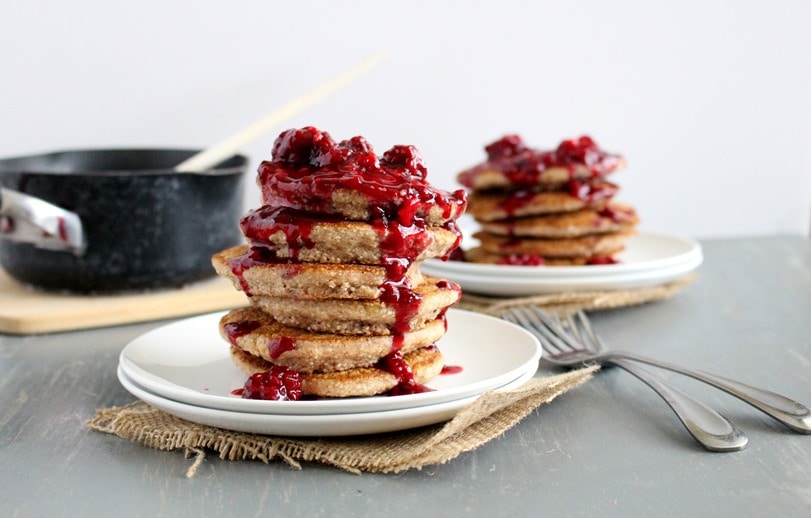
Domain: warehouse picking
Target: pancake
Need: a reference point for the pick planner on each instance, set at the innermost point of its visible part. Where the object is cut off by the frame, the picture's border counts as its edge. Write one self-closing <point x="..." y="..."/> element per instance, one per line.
<point x="303" y="280"/>
<point x="354" y="206"/>
<point x="308" y="238"/>
<point x="606" y="244"/>
<point x="496" y="205"/>
<point x="311" y="172"/>
<point x="511" y="164"/>
<point x="614" y="217"/>
<point x="355" y="317"/>
<point x="425" y="363"/>
<point x="551" y="178"/>
<point x="256" y="333"/>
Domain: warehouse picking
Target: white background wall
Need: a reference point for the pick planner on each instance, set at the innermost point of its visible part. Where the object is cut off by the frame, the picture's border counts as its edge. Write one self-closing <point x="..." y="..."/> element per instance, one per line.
<point x="709" y="100"/>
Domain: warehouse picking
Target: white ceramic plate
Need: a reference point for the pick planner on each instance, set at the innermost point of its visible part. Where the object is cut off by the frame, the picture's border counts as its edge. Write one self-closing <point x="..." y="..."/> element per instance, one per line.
<point x="326" y="425"/>
<point x="189" y="362"/>
<point x="519" y="287"/>
<point x="649" y="259"/>
<point x="644" y="251"/>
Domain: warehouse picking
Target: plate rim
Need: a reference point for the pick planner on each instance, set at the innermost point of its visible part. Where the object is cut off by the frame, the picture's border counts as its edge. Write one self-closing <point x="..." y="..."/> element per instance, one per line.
<point x="336" y="425"/>
<point x="530" y="287"/>
<point x="607" y="279"/>
<point x="693" y="250"/>
<point x="189" y="395"/>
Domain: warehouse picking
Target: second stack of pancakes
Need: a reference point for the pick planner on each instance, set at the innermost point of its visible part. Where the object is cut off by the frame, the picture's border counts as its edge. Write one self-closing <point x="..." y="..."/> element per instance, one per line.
<point x="332" y="267"/>
<point x="554" y="207"/>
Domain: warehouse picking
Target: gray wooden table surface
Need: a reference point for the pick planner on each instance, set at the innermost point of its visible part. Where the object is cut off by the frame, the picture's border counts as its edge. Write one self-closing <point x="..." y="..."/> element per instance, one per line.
<point x="610" y="447"/>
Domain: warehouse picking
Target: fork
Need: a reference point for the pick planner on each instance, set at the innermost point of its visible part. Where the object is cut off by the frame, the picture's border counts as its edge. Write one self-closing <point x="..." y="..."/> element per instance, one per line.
<point x="787" y="411"/>
<point x="709" y="428"/>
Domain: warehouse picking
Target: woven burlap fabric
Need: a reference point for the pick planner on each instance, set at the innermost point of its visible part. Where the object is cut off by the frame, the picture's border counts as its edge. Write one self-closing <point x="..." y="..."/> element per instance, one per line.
<point x="486" y="418"/>
<point x="585" y="300"/>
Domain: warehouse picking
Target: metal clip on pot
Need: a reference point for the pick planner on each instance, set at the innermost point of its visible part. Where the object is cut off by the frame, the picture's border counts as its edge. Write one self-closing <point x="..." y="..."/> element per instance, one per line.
<point x="31" y="220"/>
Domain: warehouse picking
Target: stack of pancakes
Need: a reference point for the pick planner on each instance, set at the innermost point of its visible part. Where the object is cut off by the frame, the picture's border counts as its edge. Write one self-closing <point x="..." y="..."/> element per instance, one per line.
<point x="332" y="267"/>
<point x="547" y="207"/>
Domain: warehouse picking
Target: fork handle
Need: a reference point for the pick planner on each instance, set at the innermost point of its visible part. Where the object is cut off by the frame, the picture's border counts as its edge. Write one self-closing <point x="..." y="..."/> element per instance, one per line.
<point x="789" y="412"/>
<point x="708" y="427"/>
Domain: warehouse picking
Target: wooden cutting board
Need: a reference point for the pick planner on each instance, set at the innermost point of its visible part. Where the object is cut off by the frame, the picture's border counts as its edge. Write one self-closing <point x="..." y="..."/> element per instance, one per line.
<point x="23" y="311"/>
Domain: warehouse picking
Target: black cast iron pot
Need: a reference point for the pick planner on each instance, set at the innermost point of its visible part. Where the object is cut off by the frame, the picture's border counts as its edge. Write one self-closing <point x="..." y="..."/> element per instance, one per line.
<point x="143" y="225"/>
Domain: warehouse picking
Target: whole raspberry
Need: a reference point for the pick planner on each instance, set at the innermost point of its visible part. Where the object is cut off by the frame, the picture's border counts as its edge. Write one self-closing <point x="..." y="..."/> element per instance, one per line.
<point x="357" y="145"/>
<point x="294" y="145"/>
<point x="277" y="384"/>
<point x="326" y="152"/>
<point x="578" y="149"/>
<point x="409" y="158"/>
<point x="367" y="162"/>
<point x="305" y="146"/>
<point x="507" y="146"/>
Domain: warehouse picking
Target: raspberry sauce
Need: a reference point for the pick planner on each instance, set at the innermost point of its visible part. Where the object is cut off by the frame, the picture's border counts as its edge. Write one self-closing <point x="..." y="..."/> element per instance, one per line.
<point x="259" y="225"/>
<point x="524" y="166"/>
<point x="522" y="260"/>
<point x="280" y="345"/>
<point x="308" y="167"/>
<point x="236" y="330"/>
<point x="276" y="384"/>
<point x="240" y="264"/>
<point x="394" y="363"/>
<point x="602" y="259"/>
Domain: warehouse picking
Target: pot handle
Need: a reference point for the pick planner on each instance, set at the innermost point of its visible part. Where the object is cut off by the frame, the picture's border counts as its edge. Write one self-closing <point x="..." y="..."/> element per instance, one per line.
<point x="29" y="219"/>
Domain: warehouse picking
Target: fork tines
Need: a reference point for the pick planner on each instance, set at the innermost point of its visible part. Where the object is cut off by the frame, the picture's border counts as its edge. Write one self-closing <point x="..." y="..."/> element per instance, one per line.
<point x="550" y="329"/>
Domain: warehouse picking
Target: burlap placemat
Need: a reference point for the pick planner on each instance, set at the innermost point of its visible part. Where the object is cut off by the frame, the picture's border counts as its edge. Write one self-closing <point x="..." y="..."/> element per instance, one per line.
<point x="486" y="418"/>
<point x="585" y="300"/>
